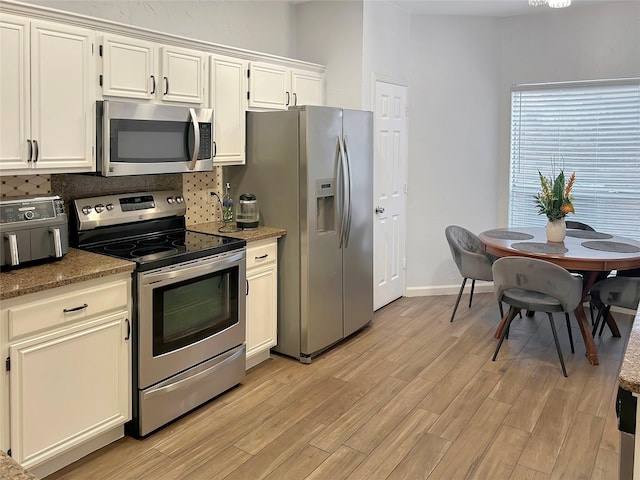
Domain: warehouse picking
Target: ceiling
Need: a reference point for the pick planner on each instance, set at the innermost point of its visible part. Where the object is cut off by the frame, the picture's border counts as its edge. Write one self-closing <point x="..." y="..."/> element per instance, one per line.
<point x="489" y="8"/>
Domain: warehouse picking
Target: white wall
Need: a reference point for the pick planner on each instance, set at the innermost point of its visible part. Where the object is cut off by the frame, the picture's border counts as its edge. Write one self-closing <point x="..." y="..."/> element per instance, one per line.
<point x="266" y="26"/>
<point x="330" y="33"/>
<point x="462" y="69"/>
<point x="385" y="52"/>
<point x="453" y="141"/>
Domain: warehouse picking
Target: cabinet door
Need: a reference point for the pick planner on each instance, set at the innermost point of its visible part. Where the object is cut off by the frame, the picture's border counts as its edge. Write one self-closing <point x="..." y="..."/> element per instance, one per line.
<point x="68" y="387"/>
<point x="14" y="93"/>
<point x="128" y="67"/>
<point x="62" y="98"/>
<point x="307" y="87"/>
<point x="228" y="93"/>
<point x="182" y="75"/>
<point x="269" y="86"/>
<point x="261" y="309"/>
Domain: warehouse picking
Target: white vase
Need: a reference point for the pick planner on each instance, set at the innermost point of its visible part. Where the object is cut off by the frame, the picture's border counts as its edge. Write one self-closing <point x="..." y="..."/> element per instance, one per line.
<point x="556" y="230"/>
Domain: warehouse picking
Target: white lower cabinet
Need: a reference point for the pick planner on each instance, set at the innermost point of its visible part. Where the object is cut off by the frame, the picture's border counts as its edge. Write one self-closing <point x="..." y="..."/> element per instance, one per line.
<point x="262" y="276"/>
<point x="69" y="382"/>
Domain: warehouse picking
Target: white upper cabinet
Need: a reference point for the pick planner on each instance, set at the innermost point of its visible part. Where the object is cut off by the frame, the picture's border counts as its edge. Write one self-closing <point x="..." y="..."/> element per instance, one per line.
<point x="307" y="88"/>
<point x="228" y="98"/>
<point x="277" y="88"/>
<point x="133" y="68"/>
<point x="47" y="117"/>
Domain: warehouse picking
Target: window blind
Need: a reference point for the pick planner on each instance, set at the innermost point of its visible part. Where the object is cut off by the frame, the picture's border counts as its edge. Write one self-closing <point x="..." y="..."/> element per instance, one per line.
<point x="590" y="128"/>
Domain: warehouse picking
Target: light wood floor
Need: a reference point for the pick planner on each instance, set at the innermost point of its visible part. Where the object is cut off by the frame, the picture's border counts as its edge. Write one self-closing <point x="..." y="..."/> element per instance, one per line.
<point x="411" y="397"/>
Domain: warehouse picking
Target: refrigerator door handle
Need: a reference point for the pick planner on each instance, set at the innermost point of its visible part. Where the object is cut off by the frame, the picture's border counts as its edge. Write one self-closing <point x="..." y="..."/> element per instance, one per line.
<point x="342" y="174"/>
<point x="347" y="229"/>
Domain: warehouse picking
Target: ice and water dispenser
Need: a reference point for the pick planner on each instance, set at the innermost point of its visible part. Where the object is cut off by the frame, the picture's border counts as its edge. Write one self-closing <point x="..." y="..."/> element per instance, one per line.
<point x="325" y="206"/>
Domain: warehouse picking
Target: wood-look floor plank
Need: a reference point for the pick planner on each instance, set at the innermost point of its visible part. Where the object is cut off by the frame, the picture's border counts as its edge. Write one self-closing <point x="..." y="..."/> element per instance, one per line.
<point x="218" y="466"/>
<point x="411" y="397"/>
<point x="502" y="455"/>
<point x="422" y="459"/>
<point x="549" y="433"/>
<point x="578" y="453"/>
<point x="374" y="431"/>
<point x="388" y="454"/>
<point x="339" y="465"/>
<point x="299" y="465"/>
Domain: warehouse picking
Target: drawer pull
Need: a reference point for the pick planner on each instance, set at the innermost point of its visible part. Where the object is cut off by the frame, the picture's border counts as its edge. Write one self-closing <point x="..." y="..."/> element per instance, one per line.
<point x="75" y="309"/>
<point x="128" y="329"/>
<point x="262" y="256"/>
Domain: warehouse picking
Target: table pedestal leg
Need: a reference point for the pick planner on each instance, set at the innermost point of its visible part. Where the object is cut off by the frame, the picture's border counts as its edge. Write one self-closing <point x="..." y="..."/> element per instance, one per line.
<point x="585" y="330"/>
<point x="503" y="323"/>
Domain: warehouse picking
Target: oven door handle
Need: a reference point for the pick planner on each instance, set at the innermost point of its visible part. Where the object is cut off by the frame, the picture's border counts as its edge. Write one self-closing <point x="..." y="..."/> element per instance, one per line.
<point x="188" y="272"/>
<point x="184" y="383"/>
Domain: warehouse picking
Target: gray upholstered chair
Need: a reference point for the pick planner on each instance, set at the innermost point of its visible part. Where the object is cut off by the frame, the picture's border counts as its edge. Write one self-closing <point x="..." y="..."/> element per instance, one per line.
<point x="470" y="258"/>
<point x="619" y="291"/>
<point x="578" y="225"/>
<point x="538" y="286"/>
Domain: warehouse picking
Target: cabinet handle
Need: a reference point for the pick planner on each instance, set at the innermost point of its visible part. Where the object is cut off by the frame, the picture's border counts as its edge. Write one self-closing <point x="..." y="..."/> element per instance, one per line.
<point x="128" y="329"/>
<point x="247" y="289"/>
<point x="166" y="85"/>
<point x="262" y="256"/>
<point x="153" y="84"/>
<point x="288" y="98"/>
<point x="75" y="309"/>
<point x="30" y="150"/>
<point x="13" y="248"/>
<point x="35" y="144"/>
<point x="295" y="99"/>
<point x="215" y="150"/>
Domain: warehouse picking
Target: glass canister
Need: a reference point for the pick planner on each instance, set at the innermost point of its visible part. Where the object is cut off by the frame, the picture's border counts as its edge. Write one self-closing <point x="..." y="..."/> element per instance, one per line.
<point x="247" y="213"/>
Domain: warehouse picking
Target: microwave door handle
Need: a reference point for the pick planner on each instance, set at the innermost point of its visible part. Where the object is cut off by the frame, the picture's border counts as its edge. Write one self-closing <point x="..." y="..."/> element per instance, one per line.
<point x="57" y="244"/>
<point x="13" y="248"/>
<point x="196" y="139"/>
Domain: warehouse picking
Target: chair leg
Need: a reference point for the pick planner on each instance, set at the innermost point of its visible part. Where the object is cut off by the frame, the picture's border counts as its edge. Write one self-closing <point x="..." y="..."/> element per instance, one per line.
<point x="599" y="317"/>
<point x="500" y="307"/>
<point x="464" y="280"/>
<point x="566" y="316"/>
<point x="511" y="316"/>
<point x="604" y="319"/>
<point x="473" y="285"/>
<point x="555" y="339"/>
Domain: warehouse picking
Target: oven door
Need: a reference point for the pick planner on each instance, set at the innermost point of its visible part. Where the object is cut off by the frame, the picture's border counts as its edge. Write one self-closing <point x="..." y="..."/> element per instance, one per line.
<point x="140" y="139"/>
<point x="189" y="313"/>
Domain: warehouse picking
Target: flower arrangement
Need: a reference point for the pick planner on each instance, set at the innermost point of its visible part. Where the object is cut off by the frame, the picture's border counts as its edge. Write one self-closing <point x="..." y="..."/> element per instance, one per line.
<point x="555" y="199"/>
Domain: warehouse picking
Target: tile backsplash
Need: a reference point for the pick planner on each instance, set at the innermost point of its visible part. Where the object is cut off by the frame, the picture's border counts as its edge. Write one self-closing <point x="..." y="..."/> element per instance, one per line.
<point x="195" y="188"/>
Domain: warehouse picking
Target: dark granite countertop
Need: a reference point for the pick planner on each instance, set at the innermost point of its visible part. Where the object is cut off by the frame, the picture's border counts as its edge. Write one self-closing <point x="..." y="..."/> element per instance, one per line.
<point x="250" y="235"/>
<point x="630" y="369"/>
<point x="75" y="266"/>
<point x="11" y="470"/>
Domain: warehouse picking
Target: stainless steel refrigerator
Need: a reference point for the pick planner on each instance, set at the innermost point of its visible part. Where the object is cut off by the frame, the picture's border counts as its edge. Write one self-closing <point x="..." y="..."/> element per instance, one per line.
<point x="311" y="169"/>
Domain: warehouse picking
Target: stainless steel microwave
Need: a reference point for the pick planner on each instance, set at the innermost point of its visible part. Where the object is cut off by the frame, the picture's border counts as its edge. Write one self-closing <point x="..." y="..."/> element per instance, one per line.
<point x="143" y="139"/>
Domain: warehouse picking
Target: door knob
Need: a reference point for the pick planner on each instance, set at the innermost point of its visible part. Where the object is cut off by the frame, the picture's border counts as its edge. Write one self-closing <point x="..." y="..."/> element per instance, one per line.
<point x="379" y="209"/>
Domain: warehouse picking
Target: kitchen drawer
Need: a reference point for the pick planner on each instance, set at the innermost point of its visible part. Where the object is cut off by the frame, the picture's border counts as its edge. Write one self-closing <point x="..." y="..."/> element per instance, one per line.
<point x="66" y="305"/>
<point x="262" y="252"/>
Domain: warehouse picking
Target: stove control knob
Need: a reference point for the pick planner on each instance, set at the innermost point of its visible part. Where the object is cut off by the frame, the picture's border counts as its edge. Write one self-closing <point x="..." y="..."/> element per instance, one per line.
<point x="86" y="209"/>
<point x="109" y="206"/>
<point x="99" y="208"/>
<point x="179" y="199"/>
<point x="28" y="215"/>
<point x="170" y="200"/>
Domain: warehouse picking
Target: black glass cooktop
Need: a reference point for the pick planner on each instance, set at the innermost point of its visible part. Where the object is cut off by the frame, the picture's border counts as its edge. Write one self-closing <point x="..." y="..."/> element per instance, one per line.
<point x="167" y="248"/>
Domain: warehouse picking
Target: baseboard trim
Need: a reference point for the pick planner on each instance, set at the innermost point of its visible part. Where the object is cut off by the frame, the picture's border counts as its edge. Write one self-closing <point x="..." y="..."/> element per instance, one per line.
<point x="481" y="287"/>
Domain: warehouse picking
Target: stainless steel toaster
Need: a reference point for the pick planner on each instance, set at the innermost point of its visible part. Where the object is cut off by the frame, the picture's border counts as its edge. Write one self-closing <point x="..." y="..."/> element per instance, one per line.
<point x="32" y="228"/>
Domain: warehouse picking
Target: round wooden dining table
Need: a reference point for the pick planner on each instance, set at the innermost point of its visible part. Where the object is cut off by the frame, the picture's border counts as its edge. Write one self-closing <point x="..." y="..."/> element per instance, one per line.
<point x="582" y="250"/>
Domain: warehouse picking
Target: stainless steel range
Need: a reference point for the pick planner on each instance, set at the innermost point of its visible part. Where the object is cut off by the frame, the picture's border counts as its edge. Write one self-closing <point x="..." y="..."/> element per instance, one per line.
<point x="188" y="301"/>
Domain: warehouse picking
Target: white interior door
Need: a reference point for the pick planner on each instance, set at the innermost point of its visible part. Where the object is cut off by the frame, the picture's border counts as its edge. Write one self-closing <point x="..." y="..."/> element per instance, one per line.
<point x="390" y="160"/>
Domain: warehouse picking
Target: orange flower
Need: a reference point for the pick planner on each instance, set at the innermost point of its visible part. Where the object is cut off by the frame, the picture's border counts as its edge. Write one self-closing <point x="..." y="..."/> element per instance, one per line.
<point x="567" y="208"/>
